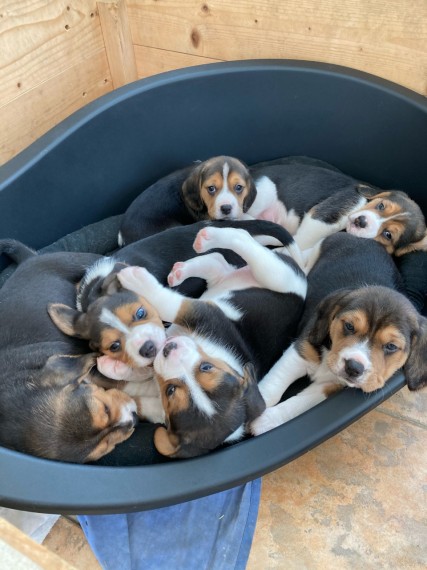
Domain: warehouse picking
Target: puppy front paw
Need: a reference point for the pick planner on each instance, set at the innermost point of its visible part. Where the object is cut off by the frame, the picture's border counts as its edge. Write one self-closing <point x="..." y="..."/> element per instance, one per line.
<point x="269" y="419"/>
<point x="138" y="280"/>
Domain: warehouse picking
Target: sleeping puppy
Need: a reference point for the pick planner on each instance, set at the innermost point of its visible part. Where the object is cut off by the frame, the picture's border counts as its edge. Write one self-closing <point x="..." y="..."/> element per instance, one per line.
<point x="124" y="326"/>
<point x="50" y="404"/>
<point x="218" y="345"/>
<point x="357" y="330"/>
<point x="308" y="197"/>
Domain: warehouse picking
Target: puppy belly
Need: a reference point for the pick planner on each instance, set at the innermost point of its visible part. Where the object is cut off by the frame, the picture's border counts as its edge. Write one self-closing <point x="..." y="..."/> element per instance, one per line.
<point x="278" y="214"/>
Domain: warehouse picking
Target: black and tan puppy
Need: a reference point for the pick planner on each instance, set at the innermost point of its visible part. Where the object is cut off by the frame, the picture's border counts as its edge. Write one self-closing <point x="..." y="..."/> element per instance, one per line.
<point x="308" y="197"/>
<point x="50" y="405"/>
<point x="357" y="330"/>
<point x="219" y="345"/>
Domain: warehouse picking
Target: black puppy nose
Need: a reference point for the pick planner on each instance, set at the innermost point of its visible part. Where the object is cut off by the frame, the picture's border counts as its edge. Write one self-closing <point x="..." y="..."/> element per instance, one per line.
<point x="168" y="348"/>
<point x="353" y="368"/>
<point x="226" y="209"/>
<point x="360" y="222"/>
<point x="148" y="349"/>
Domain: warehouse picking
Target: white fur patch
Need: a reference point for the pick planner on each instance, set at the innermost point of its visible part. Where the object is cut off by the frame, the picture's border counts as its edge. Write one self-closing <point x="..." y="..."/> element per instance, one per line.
<point x="110" y="319"/>
<point x="100" y="268"/>
<point x="236" y="435"/>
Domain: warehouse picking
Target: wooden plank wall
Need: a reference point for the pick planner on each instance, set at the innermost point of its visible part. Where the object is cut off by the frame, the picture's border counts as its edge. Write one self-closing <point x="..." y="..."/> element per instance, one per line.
<point x="57" y="55"/>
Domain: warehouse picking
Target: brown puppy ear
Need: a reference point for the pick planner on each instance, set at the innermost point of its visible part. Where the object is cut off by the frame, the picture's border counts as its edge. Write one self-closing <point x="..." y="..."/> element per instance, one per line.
<point x="62" y="369"/>
<point x="318" y="326"/>
<point x="367" y="191"/>
<point x="420" y="245"/>
<point x="190" y="191"/>
<point x="254" y="402"/>
<point x="415" y="368"/>
<point x="70" y="321"/>
<point x="165" y="442"/>
<point x="251" y="195"/>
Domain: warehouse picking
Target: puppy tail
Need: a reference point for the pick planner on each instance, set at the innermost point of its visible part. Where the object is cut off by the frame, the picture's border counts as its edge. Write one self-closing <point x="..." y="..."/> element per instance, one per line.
<point x="17" y="251"/>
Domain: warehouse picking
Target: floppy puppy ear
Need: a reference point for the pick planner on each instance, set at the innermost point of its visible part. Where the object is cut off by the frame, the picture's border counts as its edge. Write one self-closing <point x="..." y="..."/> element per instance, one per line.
<point x="63" y="369"/>
<point x="367" y="191"/>
<point x="420" y="245"/>
<point x="165" y="442"/>
<point x="250" y="197"/>
<point x="415" y="368"/>
<point x="254" y="402"/>
<point x="318" y="325"/>
<point x="68" y="320"/>
<point x="190" y="191"/>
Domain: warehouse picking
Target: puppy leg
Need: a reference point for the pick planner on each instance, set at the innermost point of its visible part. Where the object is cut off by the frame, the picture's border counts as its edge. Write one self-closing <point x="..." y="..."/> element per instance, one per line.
<point x="211" y="267"/>
<point x="291" y="408"/>
<point x="287" y="369"/>
<point x="269" y="270"/>
<point x="328" y="217"/>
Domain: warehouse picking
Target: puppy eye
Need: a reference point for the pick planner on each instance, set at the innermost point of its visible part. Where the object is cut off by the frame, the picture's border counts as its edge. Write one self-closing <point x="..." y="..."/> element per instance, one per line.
<point x="205" y="366"/>
<point x="211" y="189"/>
<point x="387" y="234"/>
<point x="141" y="313"/>
<point x="170" y="390"/>
<point x="115" y="346"/>
<point x="238" y="188"/>
<point x="389" y="348"/>
<point x="380" y="206"/>
<point x="348" y="327"/>
<point x="107" y="410"/>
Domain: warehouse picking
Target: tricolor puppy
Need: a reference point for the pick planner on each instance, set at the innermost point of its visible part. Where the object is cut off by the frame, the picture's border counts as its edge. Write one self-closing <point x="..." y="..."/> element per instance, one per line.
<point x="357" y="330"/>
<point x="308" y="197"/>
<point x="124" y="326"/>
<point x="51" y="404"/>
<point x="218" y="345"/>
<point x="125" y="329"/>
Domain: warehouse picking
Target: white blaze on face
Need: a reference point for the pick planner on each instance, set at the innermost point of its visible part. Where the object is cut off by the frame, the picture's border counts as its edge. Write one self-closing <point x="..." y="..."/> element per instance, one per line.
<point x="372" y="223"/>
<point x="180" y="363"/>
<point x="226" y="198"/>
<point x="138" y="336"/>
<point x="359" y="353"/>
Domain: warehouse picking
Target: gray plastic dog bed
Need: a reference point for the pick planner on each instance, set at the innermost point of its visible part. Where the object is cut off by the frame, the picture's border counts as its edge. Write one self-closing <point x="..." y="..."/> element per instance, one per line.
<point x="96" y="162"/>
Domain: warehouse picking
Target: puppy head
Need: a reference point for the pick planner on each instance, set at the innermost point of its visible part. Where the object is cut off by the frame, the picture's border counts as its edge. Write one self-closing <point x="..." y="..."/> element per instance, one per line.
<point x="371" y="333"/>
<point x="220" y="188"/>
<point x="69" y="418"/>
<point x="206" y="401"/>
<point x="391" y="218"/>
<point x="122" y="325"/>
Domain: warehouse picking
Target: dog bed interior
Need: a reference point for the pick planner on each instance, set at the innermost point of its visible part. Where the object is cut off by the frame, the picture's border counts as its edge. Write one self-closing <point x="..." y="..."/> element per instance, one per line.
<point x="87" y="170"/>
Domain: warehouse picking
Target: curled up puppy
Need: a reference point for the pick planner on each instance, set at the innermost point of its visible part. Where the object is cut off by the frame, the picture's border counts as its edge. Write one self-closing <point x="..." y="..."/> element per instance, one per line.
<point x="357" y="330"/>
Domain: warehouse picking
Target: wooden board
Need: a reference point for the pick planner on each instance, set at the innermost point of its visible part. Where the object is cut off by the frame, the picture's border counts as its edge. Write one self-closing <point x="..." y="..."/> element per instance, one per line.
<point x="150" y="61"/>
<point x="27" y="117"/>
<point x="388" y="39"/>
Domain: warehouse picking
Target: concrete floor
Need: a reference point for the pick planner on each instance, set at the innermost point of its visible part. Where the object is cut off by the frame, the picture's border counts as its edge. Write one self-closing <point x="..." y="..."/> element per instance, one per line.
<point x="356" y="501"/>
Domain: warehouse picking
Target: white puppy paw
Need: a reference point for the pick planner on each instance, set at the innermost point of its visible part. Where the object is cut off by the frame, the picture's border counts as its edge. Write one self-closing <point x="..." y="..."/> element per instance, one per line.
<point x="138" y="280"/>
<point x="269" y="419"/>
<point x="177" y="274"/>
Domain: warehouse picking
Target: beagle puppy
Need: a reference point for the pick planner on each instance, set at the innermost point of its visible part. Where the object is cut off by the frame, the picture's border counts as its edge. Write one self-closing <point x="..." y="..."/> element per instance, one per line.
<point x="124" y="327"/>
<point x="218" y="345"/>
<point x="308" y="197"/>
<point x="356" y="331"/>
<point x="51" y="405"/>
